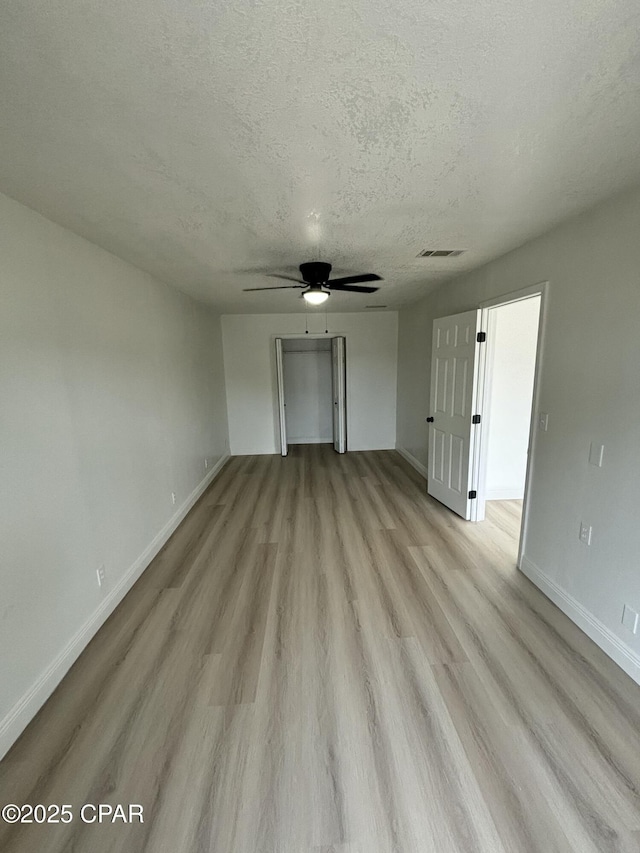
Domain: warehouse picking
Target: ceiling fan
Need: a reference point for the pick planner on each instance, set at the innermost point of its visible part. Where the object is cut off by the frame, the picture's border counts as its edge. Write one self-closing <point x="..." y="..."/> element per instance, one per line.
<point x="316" y="284"/>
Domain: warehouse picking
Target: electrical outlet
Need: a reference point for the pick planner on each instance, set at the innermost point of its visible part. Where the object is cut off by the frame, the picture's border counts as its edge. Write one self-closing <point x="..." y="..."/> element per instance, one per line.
<point x="173" y="498"/>
<point x="543" y="421"/>
<point x="585" y="533"/>
<point x="100" y="571"/>
<point x="630" y="619"/>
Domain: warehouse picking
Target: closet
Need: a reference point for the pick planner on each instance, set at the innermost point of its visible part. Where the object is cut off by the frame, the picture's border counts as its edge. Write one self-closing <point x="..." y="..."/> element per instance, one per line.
<point x="311" y="388"/>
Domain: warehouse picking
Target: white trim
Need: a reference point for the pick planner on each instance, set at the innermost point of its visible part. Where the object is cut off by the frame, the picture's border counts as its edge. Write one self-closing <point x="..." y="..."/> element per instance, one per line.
<point x="411" y="459"/>
<point x="477" y="450"/>
<point x="602" y="636"/>
<point x="282" y="420"/>
<point x="304" y="336"/>
<point x="543" y="289"/>
<point x="504" y="495"/>
<point x="339" y="393"/>
<point x="313" y="439"/>
<point x="25" y="709"/>
<point x="515" y="295"/>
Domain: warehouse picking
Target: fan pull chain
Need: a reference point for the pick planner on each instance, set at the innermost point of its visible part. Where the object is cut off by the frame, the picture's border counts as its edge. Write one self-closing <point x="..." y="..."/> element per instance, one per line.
<point x="306" y="318"/>
<point x="326" y="325"/>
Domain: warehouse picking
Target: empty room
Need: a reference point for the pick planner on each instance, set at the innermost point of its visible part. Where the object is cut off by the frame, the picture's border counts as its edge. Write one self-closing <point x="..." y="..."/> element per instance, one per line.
<point x="319" y="427"/>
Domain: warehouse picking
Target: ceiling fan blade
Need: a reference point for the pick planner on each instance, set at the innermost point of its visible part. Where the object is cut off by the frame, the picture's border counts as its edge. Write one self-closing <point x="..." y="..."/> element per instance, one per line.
<point x="352" y="288"/>
<point x="286" y="278"/>
<point x="281" y="287"/>
<point x="354" y="279"/>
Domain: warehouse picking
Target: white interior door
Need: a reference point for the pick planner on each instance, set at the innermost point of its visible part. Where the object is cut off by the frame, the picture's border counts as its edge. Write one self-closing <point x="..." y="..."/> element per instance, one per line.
<point x="453" y="396"/>
<point x="284" y="449"/>
<point x="338" y="375"/>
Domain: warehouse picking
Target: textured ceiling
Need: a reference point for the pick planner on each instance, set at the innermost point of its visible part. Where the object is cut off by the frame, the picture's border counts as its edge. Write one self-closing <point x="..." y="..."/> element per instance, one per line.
<point x="205" y="140"/>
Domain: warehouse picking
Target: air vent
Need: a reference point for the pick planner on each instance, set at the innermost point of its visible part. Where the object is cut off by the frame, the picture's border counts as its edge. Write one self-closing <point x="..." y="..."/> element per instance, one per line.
<point x="440" y="253"/>
<point x="375" y="306"/>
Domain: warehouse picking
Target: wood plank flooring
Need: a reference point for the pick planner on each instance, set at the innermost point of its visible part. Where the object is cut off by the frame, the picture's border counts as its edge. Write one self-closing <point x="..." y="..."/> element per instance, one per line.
<point x="323" y="658"/>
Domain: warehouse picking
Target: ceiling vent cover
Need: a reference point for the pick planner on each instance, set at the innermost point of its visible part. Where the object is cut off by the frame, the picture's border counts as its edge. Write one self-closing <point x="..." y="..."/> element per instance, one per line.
<point x="440" y="253"/>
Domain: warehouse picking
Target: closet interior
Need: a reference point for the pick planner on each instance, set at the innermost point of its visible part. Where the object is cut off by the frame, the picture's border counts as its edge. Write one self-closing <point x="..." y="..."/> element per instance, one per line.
<point x="311" y="373"/>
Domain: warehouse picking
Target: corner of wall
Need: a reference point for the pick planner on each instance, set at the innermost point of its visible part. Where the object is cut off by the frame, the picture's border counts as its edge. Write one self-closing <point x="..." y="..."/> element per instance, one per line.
<point x="411" y="459"/>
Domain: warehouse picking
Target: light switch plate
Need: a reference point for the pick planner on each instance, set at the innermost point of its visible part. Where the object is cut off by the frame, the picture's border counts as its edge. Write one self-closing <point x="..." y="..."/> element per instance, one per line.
<point x="596" y="454"/>
<point x="543" y="421"/>
<point x="630" y="619"/>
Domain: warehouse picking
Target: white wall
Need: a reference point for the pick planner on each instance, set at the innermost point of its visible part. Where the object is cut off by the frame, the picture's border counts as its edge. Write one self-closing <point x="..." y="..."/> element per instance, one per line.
<point x="249" y="353"/>
<point x="414" y="372"/>
<point x="590" y="386"/>
<point x="512" y="336"/>
<point x="308" y="397"/>
<point x="112" y="389"/>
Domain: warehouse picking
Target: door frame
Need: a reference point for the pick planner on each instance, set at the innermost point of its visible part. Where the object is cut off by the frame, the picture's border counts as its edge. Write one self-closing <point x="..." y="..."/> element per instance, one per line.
<point x="282" y="420"/>
<point x="278" y="379"/>
<point x="339" y="400"/>
<point x="483" y="386"/>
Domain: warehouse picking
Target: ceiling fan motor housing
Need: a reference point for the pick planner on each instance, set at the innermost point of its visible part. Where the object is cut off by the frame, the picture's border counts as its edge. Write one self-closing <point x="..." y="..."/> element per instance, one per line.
<point x="315" y="272"/>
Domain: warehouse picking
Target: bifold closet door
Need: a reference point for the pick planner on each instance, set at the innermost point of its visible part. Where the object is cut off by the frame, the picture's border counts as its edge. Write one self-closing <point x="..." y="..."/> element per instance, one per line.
<point x="284" y="449"/>
<point x="338" y="375"/>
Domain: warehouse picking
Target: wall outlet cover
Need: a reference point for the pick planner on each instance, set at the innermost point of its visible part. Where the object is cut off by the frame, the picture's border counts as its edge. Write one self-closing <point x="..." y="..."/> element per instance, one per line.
<point x="596" y="454"/>
<point x="543" y="421"/>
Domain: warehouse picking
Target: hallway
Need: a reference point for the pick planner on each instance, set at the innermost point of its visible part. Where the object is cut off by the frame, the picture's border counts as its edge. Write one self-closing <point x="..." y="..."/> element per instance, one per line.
<point x="323" y="658"/>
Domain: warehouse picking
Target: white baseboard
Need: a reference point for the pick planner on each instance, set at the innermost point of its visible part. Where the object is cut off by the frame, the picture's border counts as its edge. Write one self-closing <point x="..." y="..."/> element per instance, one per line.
<point x="602" y="636"/>
<point x="504" y="495"/>
<point x="25" y="709"/>
<point x="415" y="463"/>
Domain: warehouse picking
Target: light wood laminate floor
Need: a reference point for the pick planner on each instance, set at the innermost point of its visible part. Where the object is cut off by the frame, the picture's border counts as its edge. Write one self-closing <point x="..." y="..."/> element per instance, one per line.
<point x="323" y="659"/>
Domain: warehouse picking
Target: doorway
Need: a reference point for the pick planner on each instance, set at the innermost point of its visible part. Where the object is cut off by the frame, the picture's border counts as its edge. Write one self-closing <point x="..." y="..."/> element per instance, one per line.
<point x="509" y="368"/>
<point x="311" y="386"/>
<point x="484" y="375"/>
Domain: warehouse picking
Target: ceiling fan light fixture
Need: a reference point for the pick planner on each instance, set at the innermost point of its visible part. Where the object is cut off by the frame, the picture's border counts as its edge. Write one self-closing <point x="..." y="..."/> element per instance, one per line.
<point x="315" y="297"/>
<point x="317" y="284"/>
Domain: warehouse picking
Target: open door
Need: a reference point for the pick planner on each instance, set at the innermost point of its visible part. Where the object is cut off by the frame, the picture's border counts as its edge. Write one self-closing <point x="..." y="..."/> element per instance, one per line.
<point x="453" y="398"/>
<point x="339" y="394"/>
<point x="284" y="449"/>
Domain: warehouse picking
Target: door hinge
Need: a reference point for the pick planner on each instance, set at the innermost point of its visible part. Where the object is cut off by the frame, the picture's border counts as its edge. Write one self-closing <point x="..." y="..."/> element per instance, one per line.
<point x="473" y="494"/>
<point x="475" y="419"/>
<point x="482" y="337"/>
